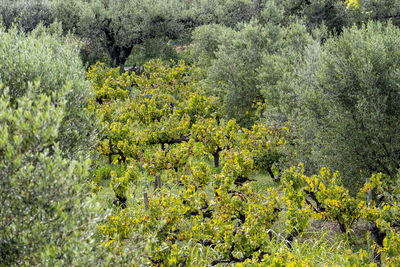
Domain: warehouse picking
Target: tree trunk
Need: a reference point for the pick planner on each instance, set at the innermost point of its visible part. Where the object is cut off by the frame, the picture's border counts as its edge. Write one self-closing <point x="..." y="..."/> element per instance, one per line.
<point x="379" y="236"/>
<point x="119" y="55"/>
<point x="216" y="157"/>
<point x="271" y="173"/>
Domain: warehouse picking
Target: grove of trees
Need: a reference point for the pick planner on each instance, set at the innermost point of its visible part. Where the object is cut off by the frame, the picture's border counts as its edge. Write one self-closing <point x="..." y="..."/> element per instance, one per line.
<point x="244" y="132"/>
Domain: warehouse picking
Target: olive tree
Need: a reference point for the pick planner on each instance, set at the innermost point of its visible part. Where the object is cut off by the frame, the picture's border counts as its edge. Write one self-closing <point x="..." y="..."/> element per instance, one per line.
<point x="279" y="71"/>
<point x="349" y="99"/>
<point x="332" y="13"/>
<point x="45" y="214"/>
<point x="120" y="25"/>
<point x="222" y="12"/>
<point x="381" y="10"/>
<point x="53" y="66"/>
<point x="26" y="13"/>
<point x="246" y="65"/>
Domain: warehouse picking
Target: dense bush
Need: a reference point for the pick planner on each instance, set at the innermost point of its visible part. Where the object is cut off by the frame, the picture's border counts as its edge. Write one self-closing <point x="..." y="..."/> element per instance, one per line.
<point x="323" y="196"/>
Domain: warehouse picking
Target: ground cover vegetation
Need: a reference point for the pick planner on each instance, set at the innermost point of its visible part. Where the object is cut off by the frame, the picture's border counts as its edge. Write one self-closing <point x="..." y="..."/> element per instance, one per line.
<point x="200" y="132"/>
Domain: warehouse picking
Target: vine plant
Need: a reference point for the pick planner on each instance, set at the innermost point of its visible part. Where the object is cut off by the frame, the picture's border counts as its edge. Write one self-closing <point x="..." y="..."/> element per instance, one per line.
<point x="160" y="128"/>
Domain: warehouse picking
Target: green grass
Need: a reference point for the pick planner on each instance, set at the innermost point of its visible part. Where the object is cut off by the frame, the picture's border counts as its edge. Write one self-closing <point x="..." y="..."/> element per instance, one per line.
<point x="262" y="181"/>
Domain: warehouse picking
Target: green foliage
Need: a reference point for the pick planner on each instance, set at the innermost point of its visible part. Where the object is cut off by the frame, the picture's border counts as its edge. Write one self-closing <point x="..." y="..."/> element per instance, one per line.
<point x="334" y="14"/>
<point x="349" y="101"/>
<point x="250" y="65"/>
<point x="42" y="57"/>
<point x="118" y="26"/>
<point x="68" y="13"/>
<point x="229" y="13"/>
<point x="206" y="40"/>
<point x="161" y="126"/>
<point x="38" y="185"/>
<point x="26" y="13"/>
<point x="226" y="13"/>
<point x="46" y="217"/>
<point x="377" y="10"/>
<point x="323" y="196"/>
<point x="231" y="75"/>
<point x="278" y="73"/>
<point x="178" y="145"/>
<point x="153" y="48"/>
